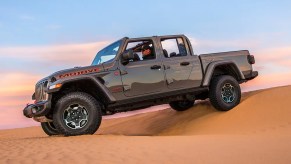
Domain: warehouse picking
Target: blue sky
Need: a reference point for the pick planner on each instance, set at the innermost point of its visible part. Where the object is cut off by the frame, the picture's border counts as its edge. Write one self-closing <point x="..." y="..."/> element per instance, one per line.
<point x="62" y="22"/>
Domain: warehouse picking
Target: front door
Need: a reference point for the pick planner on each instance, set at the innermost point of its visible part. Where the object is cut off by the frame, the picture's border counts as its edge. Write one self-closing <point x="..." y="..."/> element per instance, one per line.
<point x="144" y="74"/>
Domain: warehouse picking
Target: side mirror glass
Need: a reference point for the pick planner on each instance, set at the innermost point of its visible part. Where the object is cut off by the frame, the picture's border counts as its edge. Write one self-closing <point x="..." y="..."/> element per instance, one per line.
<point x="126" y="56"/>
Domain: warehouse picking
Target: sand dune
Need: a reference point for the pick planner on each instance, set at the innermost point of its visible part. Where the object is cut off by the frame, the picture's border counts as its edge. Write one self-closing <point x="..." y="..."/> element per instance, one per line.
<point x="260" y="111"/>
<point x="258" y="130"/>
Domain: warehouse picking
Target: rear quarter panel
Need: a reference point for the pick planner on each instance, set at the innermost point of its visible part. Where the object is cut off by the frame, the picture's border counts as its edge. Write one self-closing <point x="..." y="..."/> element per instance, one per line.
<point x="239" y="57"/>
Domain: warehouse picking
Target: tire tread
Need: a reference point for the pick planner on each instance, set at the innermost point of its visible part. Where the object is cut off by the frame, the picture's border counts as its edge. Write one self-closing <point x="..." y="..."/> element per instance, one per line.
<point x="92" y="128"/>
<point x="214" y="97"/>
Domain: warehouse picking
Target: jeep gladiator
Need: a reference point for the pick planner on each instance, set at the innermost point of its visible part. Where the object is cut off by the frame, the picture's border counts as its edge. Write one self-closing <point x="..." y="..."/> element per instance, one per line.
<point x="120" y="78"/>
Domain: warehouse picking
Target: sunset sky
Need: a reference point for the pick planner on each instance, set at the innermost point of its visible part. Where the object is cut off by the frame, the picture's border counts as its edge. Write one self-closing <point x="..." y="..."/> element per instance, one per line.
<point x="38" y="38"/>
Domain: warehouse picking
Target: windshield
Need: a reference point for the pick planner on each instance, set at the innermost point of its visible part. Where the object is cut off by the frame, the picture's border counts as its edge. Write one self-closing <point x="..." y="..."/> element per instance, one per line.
<point x="107" y="54"/>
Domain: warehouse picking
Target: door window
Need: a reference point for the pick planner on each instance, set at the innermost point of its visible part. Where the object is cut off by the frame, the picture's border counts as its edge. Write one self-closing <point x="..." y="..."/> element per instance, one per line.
<point x="173" y="47"/>
<point x="143" y="50"/>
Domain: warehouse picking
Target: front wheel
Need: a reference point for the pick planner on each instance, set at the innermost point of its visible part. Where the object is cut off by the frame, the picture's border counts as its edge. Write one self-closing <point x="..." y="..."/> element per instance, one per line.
<point x="181" y="105"/>
<point x="224" y="92"/>
<point x="49" y="128"/>
<point x="77" y="113"/>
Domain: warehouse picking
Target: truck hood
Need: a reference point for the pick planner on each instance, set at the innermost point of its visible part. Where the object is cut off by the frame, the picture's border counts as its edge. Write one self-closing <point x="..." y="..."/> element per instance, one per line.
<point x="77" y="71"/>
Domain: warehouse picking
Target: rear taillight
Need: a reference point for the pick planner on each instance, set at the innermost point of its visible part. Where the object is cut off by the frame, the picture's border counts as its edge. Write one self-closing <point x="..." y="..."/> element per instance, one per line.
<point x="251" y="59"/>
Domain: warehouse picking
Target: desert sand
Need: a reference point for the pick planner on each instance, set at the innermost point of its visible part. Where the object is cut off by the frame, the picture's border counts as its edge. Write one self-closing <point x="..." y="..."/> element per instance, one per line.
<point x="258" y="130"/>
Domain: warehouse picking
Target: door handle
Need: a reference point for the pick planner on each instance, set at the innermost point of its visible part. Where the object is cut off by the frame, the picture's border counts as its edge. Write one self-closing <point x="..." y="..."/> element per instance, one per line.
<point x="184" y="63"/>
<point x="156" y="67"/>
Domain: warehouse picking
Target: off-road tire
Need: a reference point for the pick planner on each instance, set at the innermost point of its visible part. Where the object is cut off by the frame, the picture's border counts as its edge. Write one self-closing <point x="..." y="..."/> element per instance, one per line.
<point x="49" y="128"/>
<point x="181" y="105"/>
<point x="224" y="92"/>
<point x="84" y="102"/>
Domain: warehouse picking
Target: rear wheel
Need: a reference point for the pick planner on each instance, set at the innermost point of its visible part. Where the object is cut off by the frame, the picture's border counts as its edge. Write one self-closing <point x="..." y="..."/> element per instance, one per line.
<point x="181" y="105"/>
<point x="77" y="113"/>
<point x="224" y="92"/>
<point x="49" y="128"/>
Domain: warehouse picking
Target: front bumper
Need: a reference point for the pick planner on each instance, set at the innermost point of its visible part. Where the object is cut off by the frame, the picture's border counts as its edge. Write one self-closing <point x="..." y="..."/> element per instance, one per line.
<point x="38" y="109"/>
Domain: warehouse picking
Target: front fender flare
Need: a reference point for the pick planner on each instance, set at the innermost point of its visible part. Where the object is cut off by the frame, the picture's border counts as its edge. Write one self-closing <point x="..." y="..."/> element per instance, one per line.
<point x="103" y="89"/>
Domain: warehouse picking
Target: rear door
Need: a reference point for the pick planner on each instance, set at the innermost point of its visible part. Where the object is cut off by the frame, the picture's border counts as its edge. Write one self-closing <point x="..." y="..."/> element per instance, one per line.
<point x="179" y="63"/>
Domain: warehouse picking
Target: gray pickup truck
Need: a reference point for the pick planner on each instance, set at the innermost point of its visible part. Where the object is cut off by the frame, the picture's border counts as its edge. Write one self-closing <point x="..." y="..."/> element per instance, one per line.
<point x="134" y="73"/>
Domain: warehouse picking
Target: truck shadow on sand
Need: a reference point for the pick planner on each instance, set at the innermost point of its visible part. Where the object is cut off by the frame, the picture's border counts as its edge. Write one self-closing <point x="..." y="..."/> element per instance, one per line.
<point x="160" y="123"/>
<point x="167" y="122"/>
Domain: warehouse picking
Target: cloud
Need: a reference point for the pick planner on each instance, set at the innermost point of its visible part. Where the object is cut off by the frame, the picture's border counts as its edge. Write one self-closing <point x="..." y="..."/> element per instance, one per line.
<point x="286" y="63"/>
<point x="74" y="54"/>
<point x="273" y="60"/>
<point x="208" y="46"/>
<point x="268" y="81"/>
<point x="17" y="83"/>
<point x="15" y="92"/>
<point x="22" y="65"/>
<point x="274" y="54"/>
<point x="13" y="118"/>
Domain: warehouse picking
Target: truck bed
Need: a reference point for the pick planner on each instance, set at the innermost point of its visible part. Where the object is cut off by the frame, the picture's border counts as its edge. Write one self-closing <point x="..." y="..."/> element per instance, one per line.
<point x="240" y="58"/>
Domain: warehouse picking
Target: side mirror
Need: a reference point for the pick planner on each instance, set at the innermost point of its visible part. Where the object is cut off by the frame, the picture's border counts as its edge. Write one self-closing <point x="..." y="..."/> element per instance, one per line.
<point x="126" y="56"/>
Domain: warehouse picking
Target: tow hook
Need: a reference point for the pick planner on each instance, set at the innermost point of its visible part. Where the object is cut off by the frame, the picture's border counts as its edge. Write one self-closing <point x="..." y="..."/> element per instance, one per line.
<point x="30" y="110"/>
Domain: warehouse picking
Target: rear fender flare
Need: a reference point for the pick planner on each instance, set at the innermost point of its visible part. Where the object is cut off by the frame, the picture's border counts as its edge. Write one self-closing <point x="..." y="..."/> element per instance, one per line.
<point x="211" y="67"/>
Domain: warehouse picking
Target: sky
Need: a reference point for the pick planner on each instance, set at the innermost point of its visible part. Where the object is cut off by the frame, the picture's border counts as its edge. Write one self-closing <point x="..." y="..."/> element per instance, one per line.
<point x="38" y="38"/>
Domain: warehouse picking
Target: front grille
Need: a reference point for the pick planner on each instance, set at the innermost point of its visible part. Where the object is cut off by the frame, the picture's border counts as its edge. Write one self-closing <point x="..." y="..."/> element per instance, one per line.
<point x="40" y="91"/>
